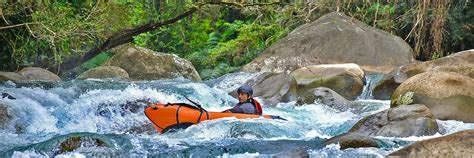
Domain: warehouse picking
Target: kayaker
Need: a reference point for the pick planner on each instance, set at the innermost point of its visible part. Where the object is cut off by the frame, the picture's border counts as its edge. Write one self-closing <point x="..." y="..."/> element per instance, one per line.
<point x="247" y="104"/>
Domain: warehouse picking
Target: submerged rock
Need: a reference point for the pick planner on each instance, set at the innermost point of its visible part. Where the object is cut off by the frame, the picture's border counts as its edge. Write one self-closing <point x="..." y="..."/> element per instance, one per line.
<point x="146" y="128"/>
<point x="109" y="110"/>
<point x="73" y="143"/>
<point x="327" y="97"/>
<point x="345" y="79"/>
<point x="353" y="140"/>
<point x="459" y="144"/>
<point x="401" y="121"/>
<point x="334" y="38"/>
<point x="448" y="95"/>
<point x="104" y="72"/>
<point x="461" y="62"/>
<point x="107" y="145"/>
<point x="38" y="74"/>
<point x="8" y="96"/>
<point x="146" y="64"/>
<point x="5" y="117"/>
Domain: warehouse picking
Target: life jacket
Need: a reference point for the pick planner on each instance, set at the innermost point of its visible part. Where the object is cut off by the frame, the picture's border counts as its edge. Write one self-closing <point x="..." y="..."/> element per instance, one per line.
<point x="258" y="107"/>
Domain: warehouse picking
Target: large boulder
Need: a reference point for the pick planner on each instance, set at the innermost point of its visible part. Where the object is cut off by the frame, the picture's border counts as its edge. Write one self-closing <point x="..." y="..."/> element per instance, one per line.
<point x="461" y="62"/>
<point x="38" y="74"/>
<point x="273" y="88"/>
<point x="345" y="79"/>
<point x="459" y="144"/>
<point x="353" y="140"/>
<point x="448" y="95"/>
<point x="146" y="64"/>
<point x="401" y="121"/>
<point x="334" y="38"/>
<point x="104" y="72"/>
<point x="11" y="76"/>
<point x="327" y="97"/>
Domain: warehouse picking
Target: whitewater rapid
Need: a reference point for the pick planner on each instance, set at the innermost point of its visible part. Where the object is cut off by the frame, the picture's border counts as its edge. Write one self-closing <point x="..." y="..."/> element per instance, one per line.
<point x="43" y="114"/>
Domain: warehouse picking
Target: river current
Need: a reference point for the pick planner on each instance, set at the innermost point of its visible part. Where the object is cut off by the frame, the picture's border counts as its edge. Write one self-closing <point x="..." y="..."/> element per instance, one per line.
<point x="45" y="114"/>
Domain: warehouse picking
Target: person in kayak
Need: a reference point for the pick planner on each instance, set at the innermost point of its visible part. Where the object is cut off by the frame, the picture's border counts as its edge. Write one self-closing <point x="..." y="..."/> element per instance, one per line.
<point x="246" y="105"/>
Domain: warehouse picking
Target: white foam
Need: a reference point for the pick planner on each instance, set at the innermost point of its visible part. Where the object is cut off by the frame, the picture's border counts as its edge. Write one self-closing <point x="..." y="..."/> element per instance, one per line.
<point x="411" y="138"/>
<point x="452" y="126"/>
<point x="244" y="155"/>
<point x="29" y="112"/>
<point x="70" y="155"/>
<point x="28" y="154"/>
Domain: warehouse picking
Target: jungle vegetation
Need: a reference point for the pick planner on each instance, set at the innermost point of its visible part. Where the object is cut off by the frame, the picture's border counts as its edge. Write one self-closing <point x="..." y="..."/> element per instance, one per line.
<point x="218" y="37"/>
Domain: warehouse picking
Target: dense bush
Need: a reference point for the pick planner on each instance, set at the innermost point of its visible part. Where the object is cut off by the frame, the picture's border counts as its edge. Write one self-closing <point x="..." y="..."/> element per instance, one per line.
<point x="218" y="38"/>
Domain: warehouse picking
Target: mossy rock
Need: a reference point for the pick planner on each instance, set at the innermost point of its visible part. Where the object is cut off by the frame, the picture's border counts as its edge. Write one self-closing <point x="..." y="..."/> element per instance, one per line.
<point x="146" y="64"/>
<point x="346" y="79"/>
<point x="104" y="72"/>
<point x="459" y="144"/>
<point x="461" y="62"/>
<point x="332" y="39"/>
<point x="448" y="95"/>
<point x="11" y="76"/>
<point x="38" y="74"/>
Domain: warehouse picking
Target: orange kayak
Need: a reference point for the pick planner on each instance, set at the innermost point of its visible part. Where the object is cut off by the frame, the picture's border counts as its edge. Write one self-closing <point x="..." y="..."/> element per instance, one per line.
<point x="181" y="115"/>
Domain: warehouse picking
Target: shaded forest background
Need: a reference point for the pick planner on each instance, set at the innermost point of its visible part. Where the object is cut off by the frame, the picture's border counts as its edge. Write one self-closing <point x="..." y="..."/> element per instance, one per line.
<point x="221" y="36"/>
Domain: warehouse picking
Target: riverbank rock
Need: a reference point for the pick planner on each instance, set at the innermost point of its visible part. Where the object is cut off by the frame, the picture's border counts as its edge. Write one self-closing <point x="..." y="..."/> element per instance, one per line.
<point x="461" y="62"/>
<point x="345" y="79"/>
<point x="459" y="144"/>
<point x="448" y="95"/>
<point x="273" y="88"/>
<point x="104" y="72"/>
<point x="401" y="121"/>
<point x="332" y="39"/>
<point x="11" y="76"/>
<point x="38" y="74"/>
<point x="327" y="97"/>
<point x="146" y="64"/>
<point x="353" y="140"/>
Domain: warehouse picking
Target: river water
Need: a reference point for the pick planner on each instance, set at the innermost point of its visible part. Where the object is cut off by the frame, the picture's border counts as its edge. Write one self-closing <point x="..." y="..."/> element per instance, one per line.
<point x="45" y="114"/>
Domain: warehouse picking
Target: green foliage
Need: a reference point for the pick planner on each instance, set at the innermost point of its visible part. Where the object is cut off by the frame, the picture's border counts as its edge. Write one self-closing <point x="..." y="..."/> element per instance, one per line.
<point x="97" y="60"/>
<point x="217" y="39"/>
<point x="57" y="30"/>
<point x="405" y="99"/>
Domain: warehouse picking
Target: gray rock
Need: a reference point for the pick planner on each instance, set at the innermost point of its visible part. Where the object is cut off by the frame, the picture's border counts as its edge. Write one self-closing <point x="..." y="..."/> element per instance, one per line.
<point x="4" y="116"/>
<point x="353" y="140"/>
<point x="273" y="88"/>
<point x="327" y="97"/>
<point x="448" y="95"/>
<point x="461" y="62"/>
<point x="38" y="74"/>
<point x="104" y="72"/>
<point x="11" y="76"/>
<point x="402" y="121"/>
<point x="345" y="79"/>
<point x="146" y="64"/>
<point x="459" y="144"/>
<point x="334" y="38"/>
